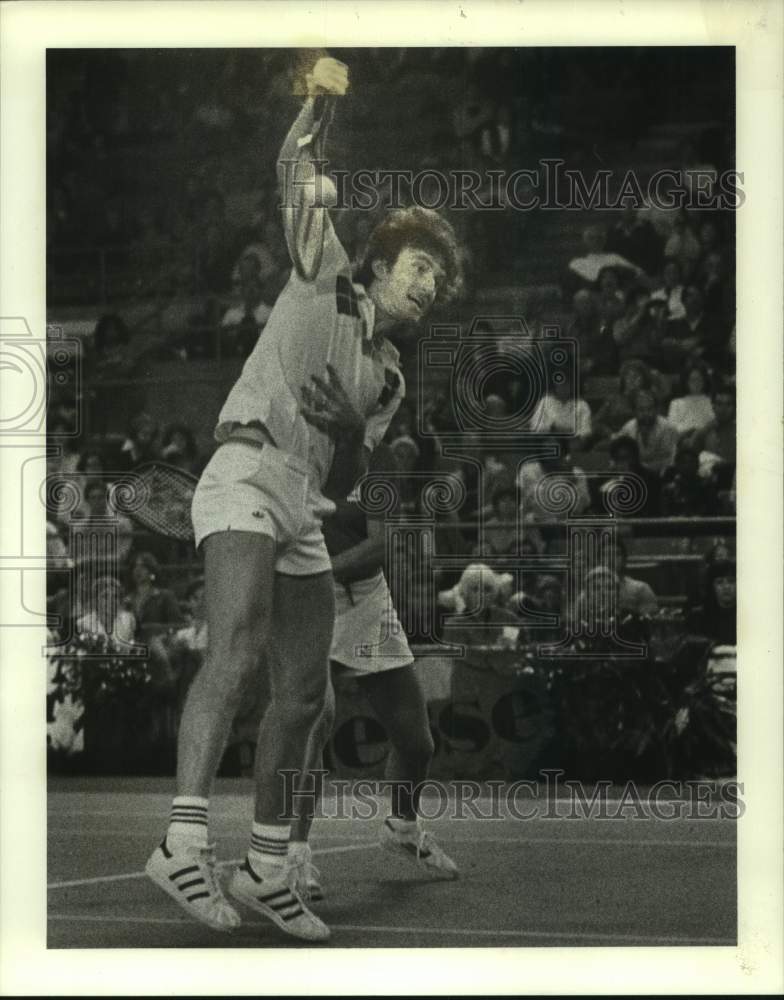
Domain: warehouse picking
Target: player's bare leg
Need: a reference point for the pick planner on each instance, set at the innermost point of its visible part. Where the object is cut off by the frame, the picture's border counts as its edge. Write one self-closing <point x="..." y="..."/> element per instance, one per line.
<point x="397" y="699"/>
<point x="304" y="612"/>
<point x="304" y="873"/>
<point x="303" y="615"/>
<point x="239" y="580"/>
<point x="239" y="584"/>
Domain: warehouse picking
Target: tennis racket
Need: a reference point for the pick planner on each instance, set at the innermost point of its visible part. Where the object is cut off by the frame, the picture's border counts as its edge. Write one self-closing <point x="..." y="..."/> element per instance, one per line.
<point x="158" y="497"/>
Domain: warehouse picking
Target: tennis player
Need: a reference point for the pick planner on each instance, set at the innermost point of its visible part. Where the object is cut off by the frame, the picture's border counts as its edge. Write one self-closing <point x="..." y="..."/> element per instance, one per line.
<point x="313" y="399"/>
<point x="370" y="645"/>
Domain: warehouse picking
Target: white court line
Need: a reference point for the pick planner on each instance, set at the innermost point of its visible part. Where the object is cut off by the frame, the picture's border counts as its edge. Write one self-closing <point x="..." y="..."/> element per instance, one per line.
<point x="98" y="879"/>
<point x="667" y="939"/>
<point x="581" y="841"/>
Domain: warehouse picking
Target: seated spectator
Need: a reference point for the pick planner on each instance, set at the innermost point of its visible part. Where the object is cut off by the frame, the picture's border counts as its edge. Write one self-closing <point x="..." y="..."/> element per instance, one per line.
<point x="618" y="408"/>
<point x="716" y="617"/>
<point x="559" y="469"/>
<point x="178" y="448"/>
<point x="483" y="595"/>
<point x="599" y="600"/>
<point x="150" y="249"/>
<point x="685" y="493"/>
<point x="495" y="406"/>
<point x="561" y="411"/>
<point x="695" y="334"/>
<point x="589" y="267"/>
<point x="625" y="457"/>
<point x="585" y="327"/>
<point x="193" y="636"/>
<point x="105" y="613"/>
<point x="56" y="549"/>
<point x="636" y="240"/>
<point x="548" y="597"/>
<point x="59" y="434"/>
<point x="156" y="609"/>
<point x="497" y="138"/>
<point x="244" y="322"/>
<point x="598" y="351"/>
<point x="500" y="531"/>
<point x="717" y="291"/>
<point x="683" y="245"/>
<point x="141" y="445"/>
<point x="635" y="332"/>
<point x="96" y="508"/>
<point x="719" y="437"/>
<point x="693" y="410"/>
<point x="189" y="643"/>
<point x="671" y="290"/>
<point x="652" y="334"/>
<point x="655" y="437"/>
<point x="604" y="350"/>
<point x="110" y="358"/>
<point x="91" y="462"/>
<point x="634" y="596"/>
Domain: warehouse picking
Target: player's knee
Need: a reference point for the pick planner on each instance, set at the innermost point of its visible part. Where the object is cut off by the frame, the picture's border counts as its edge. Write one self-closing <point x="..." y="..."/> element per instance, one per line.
<point x="239" y="639"/>
<point x="301" y="707"/>
<point x="419" y="751"/>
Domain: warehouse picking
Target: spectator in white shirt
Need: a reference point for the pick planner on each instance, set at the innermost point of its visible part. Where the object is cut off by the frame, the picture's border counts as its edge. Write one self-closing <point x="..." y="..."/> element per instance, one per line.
<point x="244" y="322"/>
<point x="106" y="614"/>
<point x="671" y="290"/>
<point x="596" y="259"/>
<point x="656" y="438"/>
<point x="562" y="411"/>
<point x="693" y="410"/>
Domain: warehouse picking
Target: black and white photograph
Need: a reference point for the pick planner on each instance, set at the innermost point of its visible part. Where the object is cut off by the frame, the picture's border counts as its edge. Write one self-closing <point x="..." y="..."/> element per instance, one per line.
<point x="381" y="421"/>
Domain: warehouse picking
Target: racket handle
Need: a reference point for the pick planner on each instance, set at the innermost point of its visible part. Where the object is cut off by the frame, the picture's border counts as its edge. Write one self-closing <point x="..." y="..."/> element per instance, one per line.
<point x="323" y="111"/>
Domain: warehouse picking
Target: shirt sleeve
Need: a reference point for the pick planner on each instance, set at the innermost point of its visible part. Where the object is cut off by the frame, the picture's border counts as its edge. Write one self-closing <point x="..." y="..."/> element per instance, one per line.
<point x="306" y="223"/>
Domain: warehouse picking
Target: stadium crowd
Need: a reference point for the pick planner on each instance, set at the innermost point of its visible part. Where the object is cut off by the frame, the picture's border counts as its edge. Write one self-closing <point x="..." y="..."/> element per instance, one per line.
<point x="648" y="296"/>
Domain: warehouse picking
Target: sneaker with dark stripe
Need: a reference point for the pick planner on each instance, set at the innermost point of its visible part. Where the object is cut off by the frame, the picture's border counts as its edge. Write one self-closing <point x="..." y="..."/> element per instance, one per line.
<point x="418" y="846"/>
<point x="188" y="875"/>
<point x="275" y="899"/>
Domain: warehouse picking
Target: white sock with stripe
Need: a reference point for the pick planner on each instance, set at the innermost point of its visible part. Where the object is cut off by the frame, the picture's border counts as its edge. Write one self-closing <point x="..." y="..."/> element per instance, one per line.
<point x="188" y="821"/>
<point x="268" y="847"/>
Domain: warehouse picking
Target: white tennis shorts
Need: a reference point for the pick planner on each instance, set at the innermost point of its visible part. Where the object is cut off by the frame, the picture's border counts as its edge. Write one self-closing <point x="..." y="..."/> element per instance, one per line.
<point x="368" y="637"/>
<point x="268" y="492"/>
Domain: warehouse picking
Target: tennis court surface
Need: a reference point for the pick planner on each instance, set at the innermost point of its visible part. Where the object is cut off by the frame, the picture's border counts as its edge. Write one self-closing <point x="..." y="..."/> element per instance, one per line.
<point x="539" y="882"/>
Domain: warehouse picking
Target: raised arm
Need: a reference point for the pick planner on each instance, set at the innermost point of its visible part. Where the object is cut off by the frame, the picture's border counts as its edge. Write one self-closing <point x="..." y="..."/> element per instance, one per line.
<point x="304" y="190"/>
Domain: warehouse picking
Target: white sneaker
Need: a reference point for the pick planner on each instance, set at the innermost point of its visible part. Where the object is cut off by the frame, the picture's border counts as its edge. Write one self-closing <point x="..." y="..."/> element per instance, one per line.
<point x="188" y="875"/>
<point x="417" y="845"/>
<point x="274" y="898"/>
<point x="303" y="876"/>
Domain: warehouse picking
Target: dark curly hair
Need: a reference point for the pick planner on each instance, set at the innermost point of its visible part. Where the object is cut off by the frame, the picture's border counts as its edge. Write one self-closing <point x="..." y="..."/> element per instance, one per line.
<point x="418" y="227"/>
